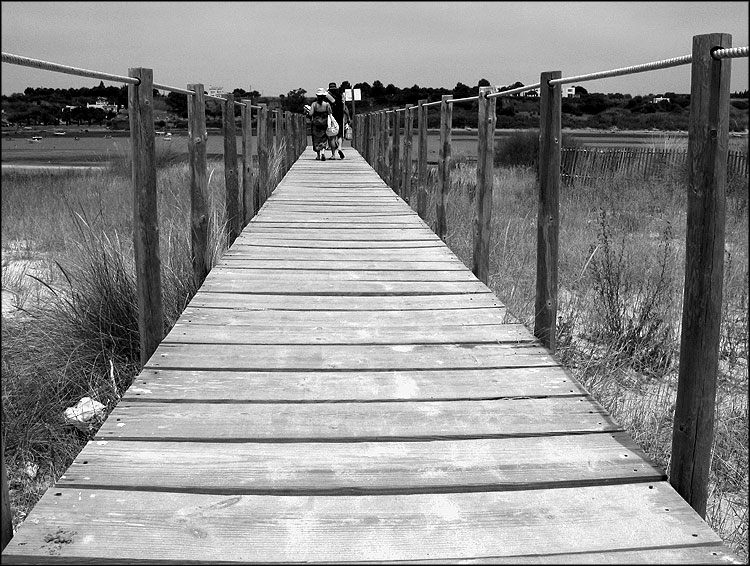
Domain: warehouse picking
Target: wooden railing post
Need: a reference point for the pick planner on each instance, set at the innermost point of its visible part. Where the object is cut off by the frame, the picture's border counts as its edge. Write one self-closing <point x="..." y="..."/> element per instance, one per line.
<point x="408" y="138"/>
<point x="372" y="140"/>
<point x="232" y="203"/>
<point x="444" y="164"/>
<point x="197" y="138"/>
<point x="388" y="153"/>
<point x="422" y="159"/>
<point x="482" y="220"/>
<point x="262" y="140"/>
<point x="382" y="144"/>
<point x="277" y="155"/>
<point x="249" y="194"/>
<point x="396" y="153"/>
<point x="548" y="213"/>
<point x="145" y="217"/>
<point x="290" y="139"/>
<point x="704" y="271"/>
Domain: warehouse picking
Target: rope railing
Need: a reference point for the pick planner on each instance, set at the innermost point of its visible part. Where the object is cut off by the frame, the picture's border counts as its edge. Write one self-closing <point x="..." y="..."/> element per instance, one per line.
<point x="68" y="70"/>
<point x="56" y="67"/>
<point x="664" y="64"/>
<point x="513" y="91"/>
<point x="730" y="53"/>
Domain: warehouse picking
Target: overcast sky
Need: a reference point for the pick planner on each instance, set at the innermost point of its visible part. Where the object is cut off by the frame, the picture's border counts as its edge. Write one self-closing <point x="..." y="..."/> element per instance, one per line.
<point x="275" y="47"/>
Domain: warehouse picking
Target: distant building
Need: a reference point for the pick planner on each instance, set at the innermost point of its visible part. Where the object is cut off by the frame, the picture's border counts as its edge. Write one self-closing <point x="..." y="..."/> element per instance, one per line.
<point x="534" y="92"/>
<point x="569" y="92"/>
<point x="658" y="99"/>
<point x="103" y="104"/>
<point x="216" y="91"/>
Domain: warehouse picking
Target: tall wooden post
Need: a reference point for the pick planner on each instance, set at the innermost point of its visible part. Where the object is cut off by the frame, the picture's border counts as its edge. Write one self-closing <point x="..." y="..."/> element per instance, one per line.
<point x="290" y="139"/>
<point x="444" y="164"/>
<point x="548" y="210"/>
<point x="482" y="220"/>
<point x="197" y="138"/>
<point x="388" y="149"/>
<point x="249" y="194"/>
<point x="262" y="140"/>
<point x="231" y="175"/>
<point x="375" y="137"/>
<point x="408" y="138"/>
<point x="382" y="144"/>
<point x="277" y="137"/>
<point x="145" y="217"/>
<point x="422" y="159"/>
<point x="704" y="271"/>
<point x="396" y="153"/>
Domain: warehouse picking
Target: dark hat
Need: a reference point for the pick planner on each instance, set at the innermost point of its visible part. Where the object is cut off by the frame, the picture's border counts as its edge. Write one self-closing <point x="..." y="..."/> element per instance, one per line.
<point x="331" y="85"/>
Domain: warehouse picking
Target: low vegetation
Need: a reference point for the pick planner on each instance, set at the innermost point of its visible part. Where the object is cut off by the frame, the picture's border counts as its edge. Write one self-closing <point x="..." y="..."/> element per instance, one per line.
<point x="68" y="273"/>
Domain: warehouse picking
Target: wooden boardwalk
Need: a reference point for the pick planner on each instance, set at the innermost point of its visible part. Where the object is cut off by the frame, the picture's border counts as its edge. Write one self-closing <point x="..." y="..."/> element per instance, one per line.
<point x="343" y="389"/>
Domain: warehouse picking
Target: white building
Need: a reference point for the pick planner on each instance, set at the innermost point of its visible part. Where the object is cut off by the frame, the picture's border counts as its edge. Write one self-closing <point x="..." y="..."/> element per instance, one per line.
<point x="216" y="91"/>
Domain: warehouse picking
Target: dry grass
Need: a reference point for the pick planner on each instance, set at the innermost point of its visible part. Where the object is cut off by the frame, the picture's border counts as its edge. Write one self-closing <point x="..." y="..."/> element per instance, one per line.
<point x="621" y="272"/>
<point x="71" y="330"/>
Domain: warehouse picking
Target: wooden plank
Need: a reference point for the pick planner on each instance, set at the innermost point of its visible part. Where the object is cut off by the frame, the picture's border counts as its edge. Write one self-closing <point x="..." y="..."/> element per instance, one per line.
<point x="344" y="318"/>
<point x="339" y="529"/>
<point x="199" y="199"/>
<point x="368" y="254"/>
<point x="362" y="467"/>
<point x="383" y="266"/>
<point x="252" y="274"/>
<point x="355" y="421"/>
<point x="350" y="303"/>
<point x="290" y="386"/>
<point x="259" y="242"/>
<point x="229" y="283"/>
<point x="349" y="357"/>
<point x="194" y="333"/>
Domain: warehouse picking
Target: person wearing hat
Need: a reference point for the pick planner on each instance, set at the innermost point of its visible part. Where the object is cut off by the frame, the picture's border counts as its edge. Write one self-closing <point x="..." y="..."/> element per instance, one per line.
<point x="339" y="112"/>
<point x="319" y="111"/>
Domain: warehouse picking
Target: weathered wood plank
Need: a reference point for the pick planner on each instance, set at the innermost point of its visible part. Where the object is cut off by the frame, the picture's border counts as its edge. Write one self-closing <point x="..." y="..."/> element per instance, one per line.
<point x="382" y="266"/>
<point x="362" y="467"/>
<point x="251" y="273"/>
<point x="289" y="386"/>
<point x="227" y="283"/>
<point x="250" y="245"/>
<point x="355" y="421"/>
<point x="302" y="332"/>
<point x="339" y="529"/>
<point x="192" y="333"/>
<point x="349" y="357"/>
<point x="343" y="318"/>
<point x="351" y="303"/>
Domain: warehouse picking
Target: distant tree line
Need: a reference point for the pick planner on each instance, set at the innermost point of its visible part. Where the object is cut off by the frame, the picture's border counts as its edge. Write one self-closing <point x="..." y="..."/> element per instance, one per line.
<point x="668" y="111"/>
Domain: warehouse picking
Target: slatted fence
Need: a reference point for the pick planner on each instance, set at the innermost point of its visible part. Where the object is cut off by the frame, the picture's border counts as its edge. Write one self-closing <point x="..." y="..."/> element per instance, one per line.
<point x="590" y="164"/>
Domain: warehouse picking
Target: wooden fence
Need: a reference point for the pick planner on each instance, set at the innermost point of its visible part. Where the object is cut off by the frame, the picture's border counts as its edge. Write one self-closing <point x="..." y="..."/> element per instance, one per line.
<point x="580" y="163"/>
<point x="707" y="167"/>
<point x="281" y="136"/>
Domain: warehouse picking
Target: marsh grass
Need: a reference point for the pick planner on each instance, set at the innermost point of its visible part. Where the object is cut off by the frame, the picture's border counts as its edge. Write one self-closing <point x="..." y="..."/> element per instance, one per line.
<point x="68" y="272"/>
<point x="621" y="275"/>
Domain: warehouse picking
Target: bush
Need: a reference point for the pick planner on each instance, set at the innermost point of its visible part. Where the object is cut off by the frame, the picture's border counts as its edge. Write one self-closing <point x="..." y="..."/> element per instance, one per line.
<point x="522" y="149"/>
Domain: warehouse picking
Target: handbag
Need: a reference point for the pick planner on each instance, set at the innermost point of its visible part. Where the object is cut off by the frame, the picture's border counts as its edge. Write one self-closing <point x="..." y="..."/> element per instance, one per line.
<point x="347" y="132"/>
<point x="333" y="126"/>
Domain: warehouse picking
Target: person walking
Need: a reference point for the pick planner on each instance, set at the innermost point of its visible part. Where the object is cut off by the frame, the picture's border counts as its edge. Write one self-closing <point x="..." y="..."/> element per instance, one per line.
<point x="341" y="113"/>
<point x="319" y="111"/>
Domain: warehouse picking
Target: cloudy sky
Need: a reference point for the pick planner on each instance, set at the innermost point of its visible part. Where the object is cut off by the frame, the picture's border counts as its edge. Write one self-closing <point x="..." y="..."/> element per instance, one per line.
<point x="275" y="47"/>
